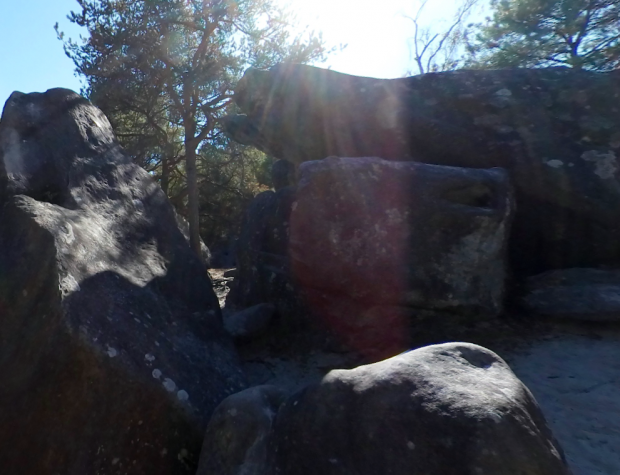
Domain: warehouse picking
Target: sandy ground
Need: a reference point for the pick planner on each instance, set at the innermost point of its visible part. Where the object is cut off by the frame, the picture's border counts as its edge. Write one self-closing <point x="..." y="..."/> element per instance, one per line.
<point x="573" y="371"/>
<point x="575" y="377"/>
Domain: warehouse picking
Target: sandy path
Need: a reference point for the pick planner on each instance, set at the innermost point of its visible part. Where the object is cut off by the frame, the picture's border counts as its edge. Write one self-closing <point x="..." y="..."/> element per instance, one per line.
<point x="575" y="377"/>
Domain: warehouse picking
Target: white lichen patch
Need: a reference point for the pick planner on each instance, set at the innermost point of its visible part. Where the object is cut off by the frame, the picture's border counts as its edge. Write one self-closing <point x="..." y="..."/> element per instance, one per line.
<point x="605" y="163"/>
<point x="182" y="395"/>
<point x="410" y="445"/>
<point x="111" y="352"/>
<point x="394" y="216"/>
<point x="504" y="93"/>
<point x="169" y="385"/>
<point x="149" y="357"/>
<point x="156" y="373"/>
<point x="555" y="163"/>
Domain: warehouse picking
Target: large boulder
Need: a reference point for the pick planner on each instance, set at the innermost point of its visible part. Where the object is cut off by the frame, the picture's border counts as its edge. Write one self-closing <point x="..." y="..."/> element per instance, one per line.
<point x="262" y="254"/>
<point x="361" y="241"/>
<point x="112" y="351"/>
<point x="236" y="441"/>
<point x="574" y="294"/>
<point x="450" y="409"/>
<point x="402" y="233"/>
<point x="555" y="130"/>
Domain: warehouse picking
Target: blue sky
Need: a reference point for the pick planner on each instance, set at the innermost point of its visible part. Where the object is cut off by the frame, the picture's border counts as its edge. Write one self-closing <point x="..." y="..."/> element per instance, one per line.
<point x="32" y="58"/>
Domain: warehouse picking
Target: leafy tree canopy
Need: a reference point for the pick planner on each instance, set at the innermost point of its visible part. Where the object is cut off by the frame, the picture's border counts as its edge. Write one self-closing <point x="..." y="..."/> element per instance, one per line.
<point x="581" y="34"/>
<point x="163" y="71"/>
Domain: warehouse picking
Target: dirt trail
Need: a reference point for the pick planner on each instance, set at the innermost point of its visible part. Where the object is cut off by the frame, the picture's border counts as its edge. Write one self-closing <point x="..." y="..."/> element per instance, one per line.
<point x="575" y="377"/>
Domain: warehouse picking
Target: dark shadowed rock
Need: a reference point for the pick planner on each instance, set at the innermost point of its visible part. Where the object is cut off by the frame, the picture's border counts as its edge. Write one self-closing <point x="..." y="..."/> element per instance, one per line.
<point x="262" y="253"/>
<point x="450" y="409"/>
<point x="237" y="435"/>
<point x="249" y="322"/>
<point x="575" y="294"/>
<point x="282" y="174"/>
<point x="402" y="233"/>
<point x="555" y="130"/>
<point x="112" y="351"/>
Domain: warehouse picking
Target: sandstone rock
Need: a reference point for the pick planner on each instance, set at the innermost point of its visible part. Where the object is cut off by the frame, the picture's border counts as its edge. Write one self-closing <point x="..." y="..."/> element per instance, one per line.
<point x="112" y="351"/>
<point x="249" y="322"/>
<point x="450" y="409"/>
<point x="282" y="174"/>
<point x="237" y="435"/>
<point x="262" y="252"/>
<point x="575" y="294"/>
<point x="555" y="130"/>
<point x="402" y="233"/>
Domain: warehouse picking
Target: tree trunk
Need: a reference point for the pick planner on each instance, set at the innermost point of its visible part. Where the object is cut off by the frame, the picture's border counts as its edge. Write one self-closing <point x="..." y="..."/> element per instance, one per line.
<point x="192" y="188"/>
<point x="165" y="174"/>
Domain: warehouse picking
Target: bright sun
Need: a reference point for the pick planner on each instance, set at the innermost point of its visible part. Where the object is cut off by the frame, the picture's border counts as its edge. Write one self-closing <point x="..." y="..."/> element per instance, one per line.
<point x="376" y="34"/>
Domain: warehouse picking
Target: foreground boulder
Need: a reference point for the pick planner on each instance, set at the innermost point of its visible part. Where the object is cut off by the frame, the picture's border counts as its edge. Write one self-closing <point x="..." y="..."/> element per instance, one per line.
<point x="112" y="351"/>
<point x="450" y="409"/>
<point x="236" y="441"/>
<point x="555" y="130"/>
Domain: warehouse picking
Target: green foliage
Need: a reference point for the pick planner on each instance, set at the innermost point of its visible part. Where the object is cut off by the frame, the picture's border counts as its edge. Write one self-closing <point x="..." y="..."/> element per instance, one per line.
<point x="581" y="34"/>
<point x="163" y="71"/>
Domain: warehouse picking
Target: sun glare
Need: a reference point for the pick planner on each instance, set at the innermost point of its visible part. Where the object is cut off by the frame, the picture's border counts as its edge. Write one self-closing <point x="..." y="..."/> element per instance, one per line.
<point x="376" y="34"/>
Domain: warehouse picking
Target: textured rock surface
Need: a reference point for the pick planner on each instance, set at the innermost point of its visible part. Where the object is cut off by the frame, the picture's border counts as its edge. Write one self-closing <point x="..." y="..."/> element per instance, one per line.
<point x="555" y="130"/>
<point x="394" y="233"/>
<point x="576" y="294"/>
<point x="453" y="409"/>
<point x="249" y="322"/>
<point x="263" y="273"/>
<point x="112" y="350"/>
<point x="237" y="435"/>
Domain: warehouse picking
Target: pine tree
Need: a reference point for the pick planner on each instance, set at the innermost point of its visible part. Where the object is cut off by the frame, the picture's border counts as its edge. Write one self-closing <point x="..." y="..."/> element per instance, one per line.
<point x="164" y="70"/>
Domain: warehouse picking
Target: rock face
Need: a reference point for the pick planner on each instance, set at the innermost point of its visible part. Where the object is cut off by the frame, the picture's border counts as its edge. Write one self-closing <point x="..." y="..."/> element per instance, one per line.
<point x="388" y="233"/>
<point x="112" y="351"/>
<point x="237" y="435"/>
<point x="360" y="242"/>
<point x="555" y="130"/>
<point x="450" y="409"/>
<point x="575" y="294"/>
<point x="263" y="273"/>
<point x="250" y="322"/>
